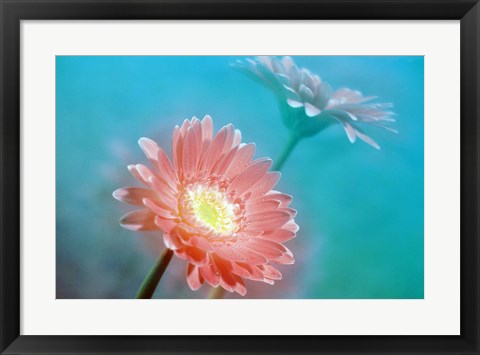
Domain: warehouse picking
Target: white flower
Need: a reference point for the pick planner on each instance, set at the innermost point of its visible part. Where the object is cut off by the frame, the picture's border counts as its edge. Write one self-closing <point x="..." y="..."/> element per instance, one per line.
<point x="310" y="105"/>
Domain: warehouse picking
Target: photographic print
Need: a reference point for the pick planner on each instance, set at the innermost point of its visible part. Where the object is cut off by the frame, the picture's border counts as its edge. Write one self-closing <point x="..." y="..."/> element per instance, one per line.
<point x="266" y="177"/>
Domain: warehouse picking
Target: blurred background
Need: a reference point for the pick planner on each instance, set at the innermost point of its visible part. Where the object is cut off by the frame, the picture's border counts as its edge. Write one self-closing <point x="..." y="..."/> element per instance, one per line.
<point x="360" y="210"/>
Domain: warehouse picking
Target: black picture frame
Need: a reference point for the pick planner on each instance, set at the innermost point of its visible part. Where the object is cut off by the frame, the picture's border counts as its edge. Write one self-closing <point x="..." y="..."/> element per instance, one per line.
<point x="13" y="11"/>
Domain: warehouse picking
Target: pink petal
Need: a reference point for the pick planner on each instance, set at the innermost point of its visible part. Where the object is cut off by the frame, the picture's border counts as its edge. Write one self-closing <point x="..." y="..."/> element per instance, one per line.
<point x="133" y="170"/>
<point x="150" y="149"/>
<point x="267" y="220"/>
<point x="201" y="243"/>
<point x="279" y="235"/>
<point x="241" y="160"/>
<point x="165" y="225"/>
<point x="250" y="176"/>
<point x="240" y="271"/>
<point x="194" y="279"/>
<point x="189" y="158"/>
<point x="265" y="184"/>
<point x="291" y="226"/>
<point x="227" y="279"/>
<point x="160" y="161"/>
<point x="196" y="256"/>
<point x="164" y="193"/>
<point x="224" y="162"/>
<point x="144" y="172"/>
<point x="261" y="206"/>
<point x="269" y="249"/>
<point x="185" y="126"/>
<point x="197" y="127"/>
<point x="268" y="281"/>
<point x="284" y="199"/>
<point x="240" y="287"/>
<point x="214" y="150"/>
<point x="210" y="274"/>
<point x="254" y="273"/>
<point x="159" y="211"/>
<point x="173" y="241"/>
<point x="229" y="253"/>
<point x="237" y="138"/>
<point x="271" y="272"/>
<point x="176" y="140"/>
<point x="290" y="211"/>
<point x="134" y="195"/>
<point x="285" y="259"/>
<point x="229" y="139"/>
<point x="250" y="256"/>
<point x="207" y="128"/>
<point x="139" y="220"/>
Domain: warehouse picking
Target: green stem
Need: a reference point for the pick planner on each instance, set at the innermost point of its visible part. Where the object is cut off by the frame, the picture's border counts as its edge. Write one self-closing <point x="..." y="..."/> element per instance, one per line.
<point x="216" y="293"/>
<point x="153" y="277"/>
<point x="287" y="150"/>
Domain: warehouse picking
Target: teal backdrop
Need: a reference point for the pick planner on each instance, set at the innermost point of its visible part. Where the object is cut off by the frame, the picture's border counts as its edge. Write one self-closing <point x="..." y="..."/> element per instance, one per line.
<point x="360" y="210"/>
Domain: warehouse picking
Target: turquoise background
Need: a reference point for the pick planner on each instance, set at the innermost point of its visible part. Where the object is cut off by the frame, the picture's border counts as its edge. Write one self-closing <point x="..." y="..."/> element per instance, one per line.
<point x="360" y="210"/>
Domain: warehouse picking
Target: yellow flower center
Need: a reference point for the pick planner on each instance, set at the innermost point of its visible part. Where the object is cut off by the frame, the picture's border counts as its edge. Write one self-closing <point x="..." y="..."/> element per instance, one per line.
<point x="211" y="208"/>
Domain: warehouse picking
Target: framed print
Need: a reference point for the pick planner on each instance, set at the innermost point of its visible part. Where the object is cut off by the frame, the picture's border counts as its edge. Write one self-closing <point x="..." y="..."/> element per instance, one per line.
<point x="239" y="177"/>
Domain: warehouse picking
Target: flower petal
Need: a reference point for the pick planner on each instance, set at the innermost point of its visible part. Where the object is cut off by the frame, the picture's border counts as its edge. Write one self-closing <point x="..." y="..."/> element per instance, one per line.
<point x="227" y="279"/>
<point x="165" y="195"/>
<point x="158" y="210"/>
<point x="241" y="160"/>
<point x="240" y="286"/>
<point x="265" y="184"/>
<point x="312" y="111"/>
<point x="139" y="220"/>
<point x="189" y="158"/>
<point x="229" y="253"/>
<point x="159" y="160"/>
<point x="165" y="225"/>
<point x="214" y="150"/>
<point x="267" y="248"/>
<point x="250" y="176"/>
<point x="224" y="162"/>
<point x="173" y="241"/>
<point x="279" y="235"/>
<point x="259" y="206"/>
<point x="291" y="226"/>
<point x="196" y="256"/>
<point x="270" y="272"/>
<point x="306" y="93"/>
<point x="134" y="195"/>
<point x="201" y="243"/>
<point x="294" y="103"/>
<point x="368" y="140"/>
<point x="284" y="199"/>
<point x="207" y="128"/>
<point x="267" y="220"/>
<point x="285" y="259"/>
<point x="210" y="274"/>
<point x="194" y="279"/>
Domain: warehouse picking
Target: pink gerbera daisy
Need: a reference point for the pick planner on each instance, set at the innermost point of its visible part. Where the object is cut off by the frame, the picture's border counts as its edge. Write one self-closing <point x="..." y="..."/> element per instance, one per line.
<point x="215" y="206"/>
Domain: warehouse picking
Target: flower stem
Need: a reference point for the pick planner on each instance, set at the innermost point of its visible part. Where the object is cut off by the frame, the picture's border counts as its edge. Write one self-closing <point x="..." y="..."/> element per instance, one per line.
<point x="287" y="150"/>
<point x="216" y="293"/>
<point x="153" y="277"/>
